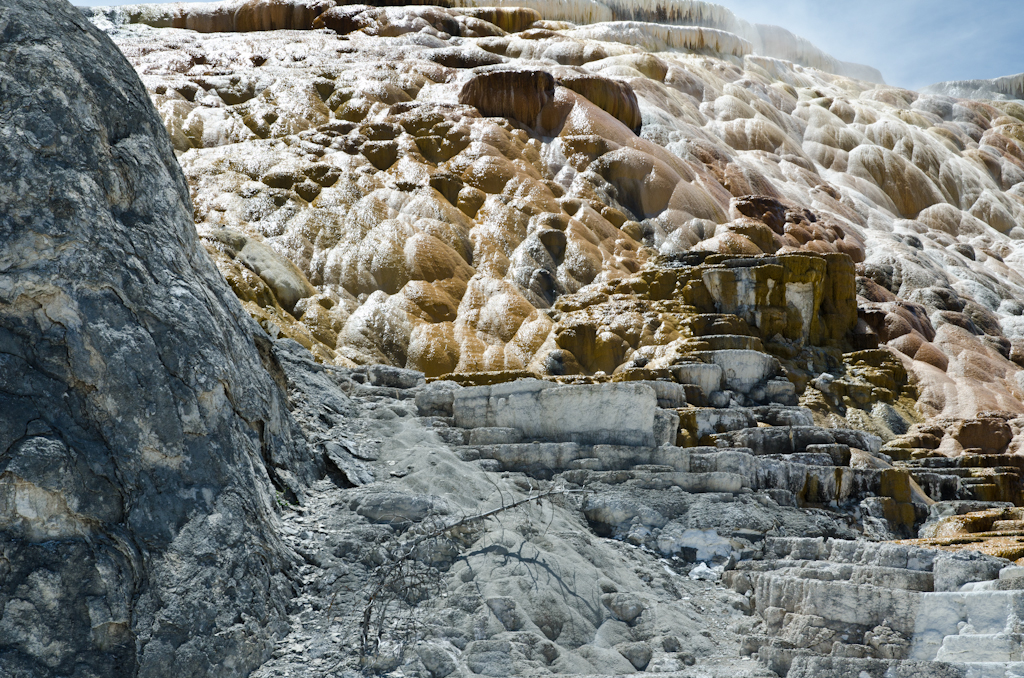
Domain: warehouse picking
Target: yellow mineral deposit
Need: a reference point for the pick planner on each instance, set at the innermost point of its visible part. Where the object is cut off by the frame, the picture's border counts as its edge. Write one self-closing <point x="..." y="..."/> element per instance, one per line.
<point x="580" y="189"/>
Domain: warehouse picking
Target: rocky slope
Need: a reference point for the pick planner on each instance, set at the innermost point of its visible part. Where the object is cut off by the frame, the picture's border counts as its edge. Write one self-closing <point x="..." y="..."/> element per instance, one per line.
<point x="433" y="228"/>
<point x="467" y="189"/>
<point x="140" y="435"/>
<point x="619" y="556"/>
<point x="722" y="348"/>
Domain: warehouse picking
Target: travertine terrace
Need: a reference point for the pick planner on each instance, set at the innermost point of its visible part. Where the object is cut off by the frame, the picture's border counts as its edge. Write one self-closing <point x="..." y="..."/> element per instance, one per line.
<point x="578" y="338"/>
<point x="433" y="227"/>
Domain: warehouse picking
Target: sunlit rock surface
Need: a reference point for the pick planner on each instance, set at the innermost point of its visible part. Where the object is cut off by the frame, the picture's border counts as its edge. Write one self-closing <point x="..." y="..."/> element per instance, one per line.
<point x="763" y="299"/>
<point x="434" y="236"/>
<point x="1008" y="87"/>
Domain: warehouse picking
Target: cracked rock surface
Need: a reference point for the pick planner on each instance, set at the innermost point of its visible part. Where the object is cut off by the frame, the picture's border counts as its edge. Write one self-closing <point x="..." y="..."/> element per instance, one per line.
<point x="702" y="493"/>
<point x="139" y="431"/>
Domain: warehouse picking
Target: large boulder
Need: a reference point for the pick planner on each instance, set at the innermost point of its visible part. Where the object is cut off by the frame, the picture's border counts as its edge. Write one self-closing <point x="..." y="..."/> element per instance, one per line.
<point x="615" y="97"/>
<point x="613" y="414"/>
<point x="517" y="94"/>
<point x="141" y="436"/>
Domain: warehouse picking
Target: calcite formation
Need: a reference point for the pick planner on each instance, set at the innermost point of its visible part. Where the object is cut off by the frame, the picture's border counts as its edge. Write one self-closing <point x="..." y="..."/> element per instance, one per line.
<point x="896" y="608"/>
<point x="443" y="176"/>
<point x="591" y="338"/>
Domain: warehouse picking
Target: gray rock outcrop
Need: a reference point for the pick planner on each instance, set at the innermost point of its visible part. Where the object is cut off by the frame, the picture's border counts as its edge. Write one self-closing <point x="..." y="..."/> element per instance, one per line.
<point x="141" y="437"/>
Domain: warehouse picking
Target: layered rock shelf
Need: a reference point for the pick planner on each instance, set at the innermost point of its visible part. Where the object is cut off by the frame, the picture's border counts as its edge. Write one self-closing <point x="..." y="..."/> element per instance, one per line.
<point x="841" y="608"/>
<point x="457" y="339"/>
<point x="831" y="605"/>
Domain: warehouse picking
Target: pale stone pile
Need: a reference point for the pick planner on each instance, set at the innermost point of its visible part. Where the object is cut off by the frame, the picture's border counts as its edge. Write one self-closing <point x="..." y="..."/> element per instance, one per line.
<point x="839" y="608"/>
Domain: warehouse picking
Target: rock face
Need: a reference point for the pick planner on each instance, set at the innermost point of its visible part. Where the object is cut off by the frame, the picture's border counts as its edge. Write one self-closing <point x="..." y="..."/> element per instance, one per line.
<point x="519" y="95"/>
<point x="836" y="608"/>
<point x="438" y="235"/>
<point x="624" y="413"/>
<point x="141" y="437"/>
<point x="597" y="306"/>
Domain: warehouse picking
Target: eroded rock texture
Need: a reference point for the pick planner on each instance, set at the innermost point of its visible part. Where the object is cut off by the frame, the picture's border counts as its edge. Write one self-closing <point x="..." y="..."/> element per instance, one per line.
<point x="141" y="438"/>
<point x="440" y="176"/>
<point x="775" y="312"/>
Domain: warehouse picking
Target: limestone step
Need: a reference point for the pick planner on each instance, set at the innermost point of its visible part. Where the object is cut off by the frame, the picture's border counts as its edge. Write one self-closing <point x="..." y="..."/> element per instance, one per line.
<point x="705" y="421"/>
<point x="839" y="453"/>
<point x="722" y="342"/>
<point x="1004" y="461"/>
<point x="706" y="376"/>
<point x="742" y="370"/>
<point x="622" y="413"/>
<point x="812" y="484"/>
<point x="494" y="436"/>
<point x="948" y="615"/>
<point x="701" y="324"/>
<point x="808" y="666"/>
<point x="808" y="458"/>
<point x="938" y="486"/>
<point x="970" y="647"/>
<point x="790" y="439"/>
<point x="981" y="492"/>
<point x="990" y="484"/>
<point x="875" y="575"/>
<point x="965" y="472"/>
<point x="782" y="415"/>
<point x="549" y="458"/>
<point x="908" y="454"/>
<point x="880" y="554"/>
<point x="694" y="483"/>
<point x="915" y="604"/>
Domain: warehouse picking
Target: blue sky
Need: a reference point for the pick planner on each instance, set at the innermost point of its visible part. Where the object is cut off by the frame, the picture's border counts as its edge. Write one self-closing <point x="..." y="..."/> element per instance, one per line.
<point x="913" y="42"/>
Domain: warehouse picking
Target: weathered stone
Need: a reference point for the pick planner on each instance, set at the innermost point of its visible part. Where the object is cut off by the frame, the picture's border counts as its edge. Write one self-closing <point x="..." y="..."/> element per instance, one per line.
<point x="505" y="610"/>
<point x="990" y="434"/>
<point x="618" y="413"/>
<point x="625" y="607"/>
<point x="436" y="660"/>
<point x="708" y="376"/>
<point x="385" y="375"/>
<point x="743" y="370"/>
<point x="141" y="435"/>
<point x="613" y="96"/>
<point x="709" y="421"/>
<point x="494" y="436"/>
<point x="953" y="570"/>
<point x="517" y="94"/>
<point x="283" y="277"/>
<point x="436" y="399"/>
<point x="638" y="654"/>
<point x="511" y="19"/>
<point x="399" y="509"/>
<point x="666" y="427"/>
